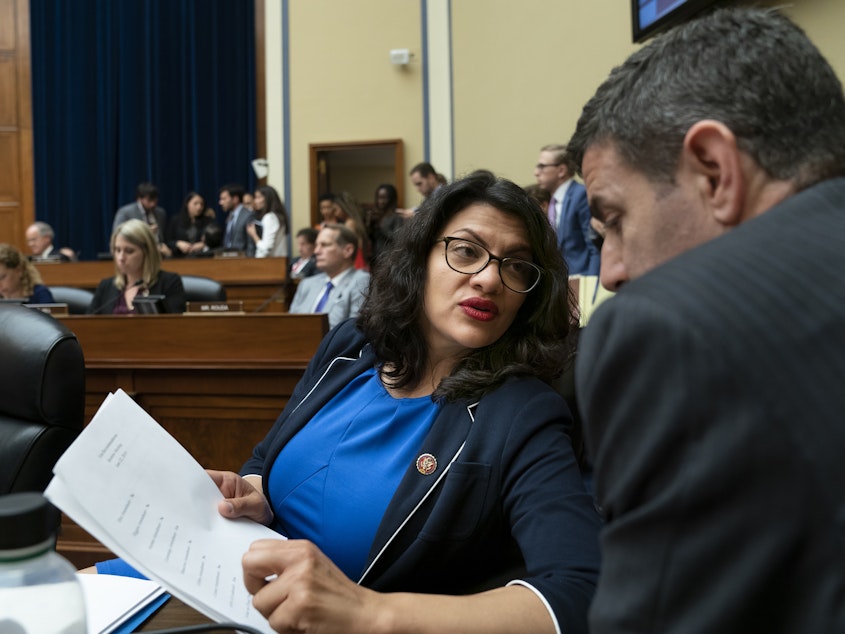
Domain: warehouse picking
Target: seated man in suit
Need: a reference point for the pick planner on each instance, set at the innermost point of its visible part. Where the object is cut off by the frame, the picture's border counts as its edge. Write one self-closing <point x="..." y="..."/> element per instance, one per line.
<point x="710" y="384"/>
<point x="145" y="208"/>
<point x="339" y="288"/>
<point x="39" y="239"/>
<point x="306" y="264"/>
<point x="238" y="218"/>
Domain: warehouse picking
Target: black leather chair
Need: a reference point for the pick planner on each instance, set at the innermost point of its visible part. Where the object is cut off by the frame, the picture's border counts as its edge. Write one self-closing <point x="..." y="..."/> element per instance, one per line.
<point x="203" y="289"/>
<point x="42" y="396"/>
<point x="77" y="299"/>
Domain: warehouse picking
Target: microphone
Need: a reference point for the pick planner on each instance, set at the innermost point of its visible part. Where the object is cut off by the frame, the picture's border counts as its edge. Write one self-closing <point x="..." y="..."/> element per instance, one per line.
<point x="109" y="305"/>
<point x="272" y="297"/>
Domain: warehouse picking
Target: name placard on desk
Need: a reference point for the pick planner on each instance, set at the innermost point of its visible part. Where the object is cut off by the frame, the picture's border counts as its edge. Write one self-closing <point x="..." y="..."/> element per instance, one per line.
<point x="214" y="308"/>
<point x="50" y="309"/>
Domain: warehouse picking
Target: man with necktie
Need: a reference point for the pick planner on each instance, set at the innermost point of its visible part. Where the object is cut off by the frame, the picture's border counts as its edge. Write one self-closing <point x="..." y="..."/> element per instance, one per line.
<point x="339" y="288"/>
<point x="235" y="237"/>
<point x="145" y="208"/>
<point x="569" y="212"/>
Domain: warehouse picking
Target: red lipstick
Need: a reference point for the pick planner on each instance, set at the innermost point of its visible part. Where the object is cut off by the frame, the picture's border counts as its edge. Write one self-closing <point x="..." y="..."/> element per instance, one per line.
<point x="480" y="309"/>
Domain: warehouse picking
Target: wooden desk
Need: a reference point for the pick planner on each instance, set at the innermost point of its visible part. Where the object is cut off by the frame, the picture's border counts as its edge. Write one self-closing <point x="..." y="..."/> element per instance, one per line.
<point x="174" y="613"/>
<point x="216" y="383"/>
<point x="250" y="280"/>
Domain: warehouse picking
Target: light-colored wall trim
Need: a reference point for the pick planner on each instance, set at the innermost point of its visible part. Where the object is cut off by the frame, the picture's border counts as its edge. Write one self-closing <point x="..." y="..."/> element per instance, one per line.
<point x="439" y="101"/>
<point x="276" y="90"/>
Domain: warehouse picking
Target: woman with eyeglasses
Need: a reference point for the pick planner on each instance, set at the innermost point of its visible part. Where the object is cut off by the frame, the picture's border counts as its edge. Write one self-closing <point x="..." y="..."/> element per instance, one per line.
<point x="423" y="470"/>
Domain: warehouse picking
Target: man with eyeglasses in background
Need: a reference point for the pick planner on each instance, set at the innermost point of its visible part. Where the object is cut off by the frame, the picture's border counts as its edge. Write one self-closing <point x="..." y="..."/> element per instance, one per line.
<point x="568" y="212"/>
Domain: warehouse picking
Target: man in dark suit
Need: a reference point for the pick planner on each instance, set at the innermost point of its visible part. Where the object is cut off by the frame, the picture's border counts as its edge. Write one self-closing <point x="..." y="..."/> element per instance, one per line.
<point x="711" y="384"/>
<point x="568" y="211"/>
<point x="306" y="264"/>
<point x="238" y="218"/>
<point x="144" y="208"/>
<point x="426" y="180"/>
<point x="39" y="239"/>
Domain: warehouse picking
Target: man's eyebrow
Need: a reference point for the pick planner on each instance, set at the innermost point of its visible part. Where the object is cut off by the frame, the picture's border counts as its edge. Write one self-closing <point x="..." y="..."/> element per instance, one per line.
<point x="597" y="205"/>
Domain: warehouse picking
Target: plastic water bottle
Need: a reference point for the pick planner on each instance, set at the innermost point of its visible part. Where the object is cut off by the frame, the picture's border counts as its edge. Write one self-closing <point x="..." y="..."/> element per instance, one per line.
<point x="39" y="591"/>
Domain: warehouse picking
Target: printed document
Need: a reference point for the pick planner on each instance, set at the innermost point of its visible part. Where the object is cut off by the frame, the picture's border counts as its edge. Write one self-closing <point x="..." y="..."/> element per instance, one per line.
<point x="118" y="604"/>
<point x="136" y="489"/>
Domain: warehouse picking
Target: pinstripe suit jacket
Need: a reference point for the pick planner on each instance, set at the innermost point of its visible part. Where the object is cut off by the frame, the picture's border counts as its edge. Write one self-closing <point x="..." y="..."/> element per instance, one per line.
<point x="715" y="413"/>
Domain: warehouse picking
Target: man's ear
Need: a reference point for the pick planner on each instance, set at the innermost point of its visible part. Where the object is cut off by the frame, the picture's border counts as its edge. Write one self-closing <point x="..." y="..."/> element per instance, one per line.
<point x="711" y="155"/>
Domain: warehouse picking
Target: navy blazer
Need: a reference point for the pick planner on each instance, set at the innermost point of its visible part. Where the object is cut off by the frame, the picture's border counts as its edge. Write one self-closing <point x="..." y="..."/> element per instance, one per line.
<point x="711" y="390"/>
<point x="574" y="234"/>
<point x="168" y="284"/>
<point x="307" y="270"/>
<point x="506" y="501"/>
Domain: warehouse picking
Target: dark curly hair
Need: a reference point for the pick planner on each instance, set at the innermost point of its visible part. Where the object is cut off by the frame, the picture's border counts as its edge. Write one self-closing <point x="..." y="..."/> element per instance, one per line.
<point x="534" y="344"/>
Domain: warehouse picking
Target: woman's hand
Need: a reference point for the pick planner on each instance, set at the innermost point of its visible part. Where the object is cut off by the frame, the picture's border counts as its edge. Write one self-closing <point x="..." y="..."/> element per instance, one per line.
<point x="243" y="499"/>
<point x="183" y="245"/>
<point x="307" y="592"/>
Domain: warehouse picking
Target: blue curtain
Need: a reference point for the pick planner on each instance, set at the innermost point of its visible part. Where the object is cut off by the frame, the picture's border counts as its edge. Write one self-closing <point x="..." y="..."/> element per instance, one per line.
<point x="138" y="90"/>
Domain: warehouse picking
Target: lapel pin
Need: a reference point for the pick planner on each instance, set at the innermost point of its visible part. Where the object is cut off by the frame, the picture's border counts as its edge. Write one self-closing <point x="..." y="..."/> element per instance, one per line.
<point x="426" y="464"/>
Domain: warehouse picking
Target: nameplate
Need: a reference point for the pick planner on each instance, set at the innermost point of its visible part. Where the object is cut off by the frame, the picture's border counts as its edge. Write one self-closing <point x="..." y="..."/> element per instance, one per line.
<point x="214" y="308"/>
<point x="230" y="254"/>
<point x="50" y="309"/>
<point x="50" y="259"/>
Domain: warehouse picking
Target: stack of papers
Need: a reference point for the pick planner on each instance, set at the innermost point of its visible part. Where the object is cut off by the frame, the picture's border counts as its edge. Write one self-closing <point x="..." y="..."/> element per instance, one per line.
<point x="114" y="605"/>
<point x="133" y="487"/>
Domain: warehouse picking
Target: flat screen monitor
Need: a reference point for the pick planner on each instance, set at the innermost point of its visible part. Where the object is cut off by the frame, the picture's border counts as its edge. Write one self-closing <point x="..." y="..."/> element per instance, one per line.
<point x="649" y="17"/>
<point x="149" y="305"/>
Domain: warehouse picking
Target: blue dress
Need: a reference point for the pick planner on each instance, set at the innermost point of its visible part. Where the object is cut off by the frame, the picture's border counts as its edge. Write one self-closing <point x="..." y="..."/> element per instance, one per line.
<point x="333" y="481"/>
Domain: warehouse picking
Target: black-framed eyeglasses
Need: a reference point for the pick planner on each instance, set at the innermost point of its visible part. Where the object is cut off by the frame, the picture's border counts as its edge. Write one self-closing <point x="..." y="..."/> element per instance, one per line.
<point x="469" y="258"/>
<point x="542" y="166"/>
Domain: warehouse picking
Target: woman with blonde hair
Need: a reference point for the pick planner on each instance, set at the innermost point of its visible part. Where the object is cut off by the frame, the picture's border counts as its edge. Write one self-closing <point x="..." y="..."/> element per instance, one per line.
<point x="19" y="279"/>
<point x="137" y="273"/>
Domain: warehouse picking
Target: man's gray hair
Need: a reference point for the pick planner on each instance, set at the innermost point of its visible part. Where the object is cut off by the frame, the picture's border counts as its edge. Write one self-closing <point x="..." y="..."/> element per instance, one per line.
<point x="751" y="69"/>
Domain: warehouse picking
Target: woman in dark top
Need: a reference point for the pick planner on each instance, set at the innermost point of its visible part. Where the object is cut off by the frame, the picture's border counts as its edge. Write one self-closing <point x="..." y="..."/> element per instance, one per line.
<point x="384" y="221"/>
<point x="423" y="468"/>
<point x="185" y="231"/>
<point x="137" y="273"/>
<point x="20" y="279"/>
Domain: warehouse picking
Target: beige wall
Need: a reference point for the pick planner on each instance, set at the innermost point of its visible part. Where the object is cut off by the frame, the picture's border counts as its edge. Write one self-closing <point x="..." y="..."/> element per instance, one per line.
<point x="823" y="21"/>
<point x="521" y="72"/>
<point x="521" y="77"/>
<point x="342" y="84"/>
